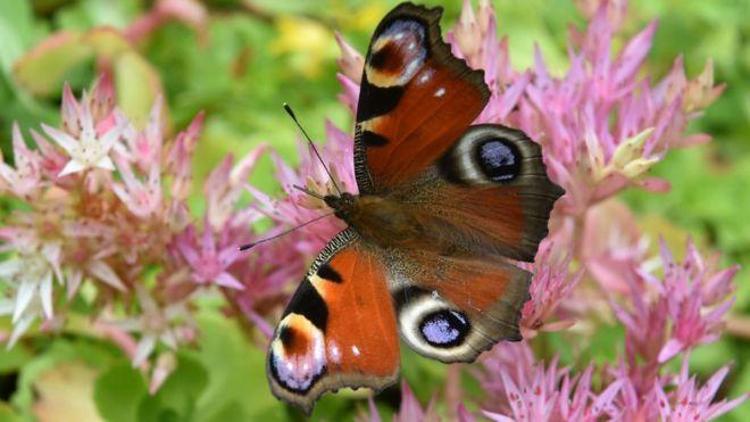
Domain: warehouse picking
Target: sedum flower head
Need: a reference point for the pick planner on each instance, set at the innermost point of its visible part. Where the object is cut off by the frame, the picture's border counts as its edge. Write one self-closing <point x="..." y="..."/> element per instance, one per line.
<point x="86" y="142"/>
<point x="24" y="180"/>
<point x="126" y="232"/>
<point x="522" y="389"/>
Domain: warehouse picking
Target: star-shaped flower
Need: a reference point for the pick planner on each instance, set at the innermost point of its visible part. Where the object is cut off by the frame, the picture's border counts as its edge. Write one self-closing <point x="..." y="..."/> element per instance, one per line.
<point x="90" y="149"/>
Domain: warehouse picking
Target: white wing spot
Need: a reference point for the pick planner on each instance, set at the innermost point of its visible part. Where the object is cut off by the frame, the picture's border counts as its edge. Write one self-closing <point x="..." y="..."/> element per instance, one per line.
<point x="440" y="92"/>
<point x="355" y="350"/>
<point x="335" y="353"/>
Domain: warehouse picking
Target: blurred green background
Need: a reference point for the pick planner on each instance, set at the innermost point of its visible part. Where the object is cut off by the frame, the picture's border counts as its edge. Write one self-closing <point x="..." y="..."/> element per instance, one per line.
<point x="253" y="55"/>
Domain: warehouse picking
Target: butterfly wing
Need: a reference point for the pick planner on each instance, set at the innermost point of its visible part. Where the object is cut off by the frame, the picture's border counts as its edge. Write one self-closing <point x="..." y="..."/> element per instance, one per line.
<point x="415" y="99"/>
<point x="414" y="143"/>
<point x="488" y="195"/>
<point x="451" y="308"/>
<point x="339" y="329"/>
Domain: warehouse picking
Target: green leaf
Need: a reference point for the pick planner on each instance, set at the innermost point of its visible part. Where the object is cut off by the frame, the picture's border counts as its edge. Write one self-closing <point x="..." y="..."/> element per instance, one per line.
<point x="137" y="85"/>
<point x="16" y="31"/>
<point x="7" y="414"/>
<point x="237" y="374"/>
<point x="118" y="393"/>
<point x="182" y="389"/>
<point x="50" y="354"/>
<point x="15" y="358"/>
<point x="42" y="70"/>
<point x="425" y="376"/>
<point x="107" y="42"/>
<point x="84" y="14"/>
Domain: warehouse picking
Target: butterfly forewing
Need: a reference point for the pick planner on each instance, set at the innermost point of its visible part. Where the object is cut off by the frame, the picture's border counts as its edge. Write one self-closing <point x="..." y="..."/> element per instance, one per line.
<point x="339" y="330"/>
<point x="415" y="100"/>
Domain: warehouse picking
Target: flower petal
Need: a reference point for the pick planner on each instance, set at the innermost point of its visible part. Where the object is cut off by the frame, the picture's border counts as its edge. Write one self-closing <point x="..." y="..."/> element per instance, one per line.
<point x="106" y="163"/>
<point x="23" y="298"/>
<point x="144" y="349"/>
<point x="19" y="329"/>
<point x="227" y="280"/>
<point x="66" y="141"/>
<point x="105" y="273"/>
<point x="45" y="294"/>
<point x="73" y="166"/>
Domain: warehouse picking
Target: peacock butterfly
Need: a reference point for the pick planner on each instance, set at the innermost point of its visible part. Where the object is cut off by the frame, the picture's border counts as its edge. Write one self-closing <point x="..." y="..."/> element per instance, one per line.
<point x="443" y="206"/>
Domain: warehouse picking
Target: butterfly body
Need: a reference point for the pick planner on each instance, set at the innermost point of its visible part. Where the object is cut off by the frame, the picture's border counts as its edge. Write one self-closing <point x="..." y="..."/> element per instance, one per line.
<point x="443" y="209"/>
<point x="379" y="220"/>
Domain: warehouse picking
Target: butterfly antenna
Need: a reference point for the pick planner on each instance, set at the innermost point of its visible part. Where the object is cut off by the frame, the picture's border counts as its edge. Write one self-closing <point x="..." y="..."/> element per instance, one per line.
<point x="309" y="192"/>
<point x="284" y="233"/>
<point x="314" y="148"/>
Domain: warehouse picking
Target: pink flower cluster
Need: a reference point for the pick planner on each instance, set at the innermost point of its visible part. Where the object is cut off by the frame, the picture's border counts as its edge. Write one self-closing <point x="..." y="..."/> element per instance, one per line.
<point x="105" y="220"/>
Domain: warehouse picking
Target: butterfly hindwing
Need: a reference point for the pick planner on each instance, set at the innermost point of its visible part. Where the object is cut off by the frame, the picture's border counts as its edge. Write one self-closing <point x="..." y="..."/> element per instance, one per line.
<point x="339" y="329"/>
<point x="415" y="99"/>
<point x="451" y="308"/>
<point x="491" y="194"/>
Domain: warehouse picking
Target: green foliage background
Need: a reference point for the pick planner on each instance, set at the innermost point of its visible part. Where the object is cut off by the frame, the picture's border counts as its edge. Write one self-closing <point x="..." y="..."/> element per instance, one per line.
<point x="250" y="60"/>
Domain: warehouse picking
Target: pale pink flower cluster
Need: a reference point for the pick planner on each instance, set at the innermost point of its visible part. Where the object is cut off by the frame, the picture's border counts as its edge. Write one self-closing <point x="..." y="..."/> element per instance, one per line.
<point x="105" y="220"/>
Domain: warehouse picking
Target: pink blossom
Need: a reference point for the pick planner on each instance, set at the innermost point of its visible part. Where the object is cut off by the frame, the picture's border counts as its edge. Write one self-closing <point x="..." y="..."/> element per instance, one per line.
<point x="571" y="116"/>
<point x="697" y="297"/>
<point x="672" y="314"/>
<point x="224" y="187"/>
<point x="29" y="274"/>
<point x="552" y="283"/>
<point x="179" y="156"/>
<point x="156" y="323"/>
<point x="85" y="140"/>
<point x="689" y="401"/>
<point x="142" y="197"/>
<point x="410" y="409"/>
<point x="24" y="180"/>
<point x="351" y="61"/>
<point x="524" y="390"/>
<point x="96" y="104"/>
<point x="474" y="35"/>
<point x="269" y="268"/>
<point x="208" y="259"/>
<point x="105" y="228"/>
<point x="612" y="245"/>
<point x="144" y="148"/>
<point x="676" y="398"/>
